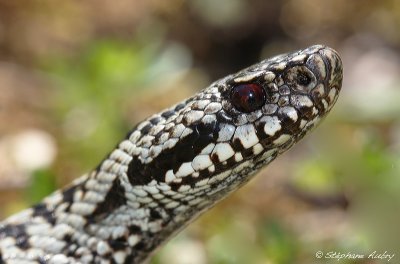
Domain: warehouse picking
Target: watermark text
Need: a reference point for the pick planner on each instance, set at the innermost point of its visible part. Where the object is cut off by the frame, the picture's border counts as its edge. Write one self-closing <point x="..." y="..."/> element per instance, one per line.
<point x="352" y="255"/>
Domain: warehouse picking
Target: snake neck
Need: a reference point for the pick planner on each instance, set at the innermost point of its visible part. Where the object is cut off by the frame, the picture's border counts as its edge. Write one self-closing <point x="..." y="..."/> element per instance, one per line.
<point x="102" y="215"/>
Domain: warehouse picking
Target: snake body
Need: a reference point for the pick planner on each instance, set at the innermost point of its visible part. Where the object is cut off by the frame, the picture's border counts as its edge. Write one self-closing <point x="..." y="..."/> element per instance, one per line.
<point x="177" y="164"/>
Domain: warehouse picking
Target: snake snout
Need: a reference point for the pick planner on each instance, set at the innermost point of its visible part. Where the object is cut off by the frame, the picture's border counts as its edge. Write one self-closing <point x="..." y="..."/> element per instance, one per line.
<point x="334" y="67"/>
<point x="326" y="65"/>
<point x="334" y="76"/>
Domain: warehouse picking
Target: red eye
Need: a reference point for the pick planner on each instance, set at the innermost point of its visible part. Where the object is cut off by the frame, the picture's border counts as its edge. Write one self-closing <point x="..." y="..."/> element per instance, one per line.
<point x="248" y="97"/>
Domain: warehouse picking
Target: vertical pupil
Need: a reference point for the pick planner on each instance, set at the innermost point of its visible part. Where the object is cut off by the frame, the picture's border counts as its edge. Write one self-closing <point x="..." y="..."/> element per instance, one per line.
<point x="248" y="97"/>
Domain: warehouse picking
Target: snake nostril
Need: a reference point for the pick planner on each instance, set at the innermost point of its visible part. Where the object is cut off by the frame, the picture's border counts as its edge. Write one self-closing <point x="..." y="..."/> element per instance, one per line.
<point x="300" y="78"/>
<point x="303" y="79"/>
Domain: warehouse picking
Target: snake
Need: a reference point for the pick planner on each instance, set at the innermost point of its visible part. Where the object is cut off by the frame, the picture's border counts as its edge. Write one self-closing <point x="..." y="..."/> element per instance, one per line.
<point x="177" y="164"/>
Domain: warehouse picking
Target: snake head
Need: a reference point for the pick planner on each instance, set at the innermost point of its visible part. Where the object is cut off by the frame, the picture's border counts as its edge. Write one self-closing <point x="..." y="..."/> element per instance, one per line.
<point x="213" y="142"/>
<point x="277" y="101"/>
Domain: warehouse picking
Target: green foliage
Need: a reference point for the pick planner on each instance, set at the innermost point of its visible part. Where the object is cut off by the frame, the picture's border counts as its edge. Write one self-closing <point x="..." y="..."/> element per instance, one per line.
<point x="42" y="184"/>
<point x="92" y="92"/>
<point x="280" y="246"/>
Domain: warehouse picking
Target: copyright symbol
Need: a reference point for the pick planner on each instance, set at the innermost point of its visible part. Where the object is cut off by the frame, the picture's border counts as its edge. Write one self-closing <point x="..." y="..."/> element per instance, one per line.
<point x="319" y="254"/>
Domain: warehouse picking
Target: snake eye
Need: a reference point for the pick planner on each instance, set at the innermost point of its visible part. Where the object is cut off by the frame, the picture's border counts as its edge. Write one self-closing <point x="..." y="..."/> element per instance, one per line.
<point x="248" y="97"/>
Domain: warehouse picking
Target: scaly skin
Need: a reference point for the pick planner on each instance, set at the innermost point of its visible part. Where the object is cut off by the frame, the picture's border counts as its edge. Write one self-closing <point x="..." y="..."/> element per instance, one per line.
<point x="177" y="164"/>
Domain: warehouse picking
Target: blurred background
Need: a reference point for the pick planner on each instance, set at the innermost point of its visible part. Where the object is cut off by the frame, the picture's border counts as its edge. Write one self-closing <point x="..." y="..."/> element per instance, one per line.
<point x="75" y="76"/>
